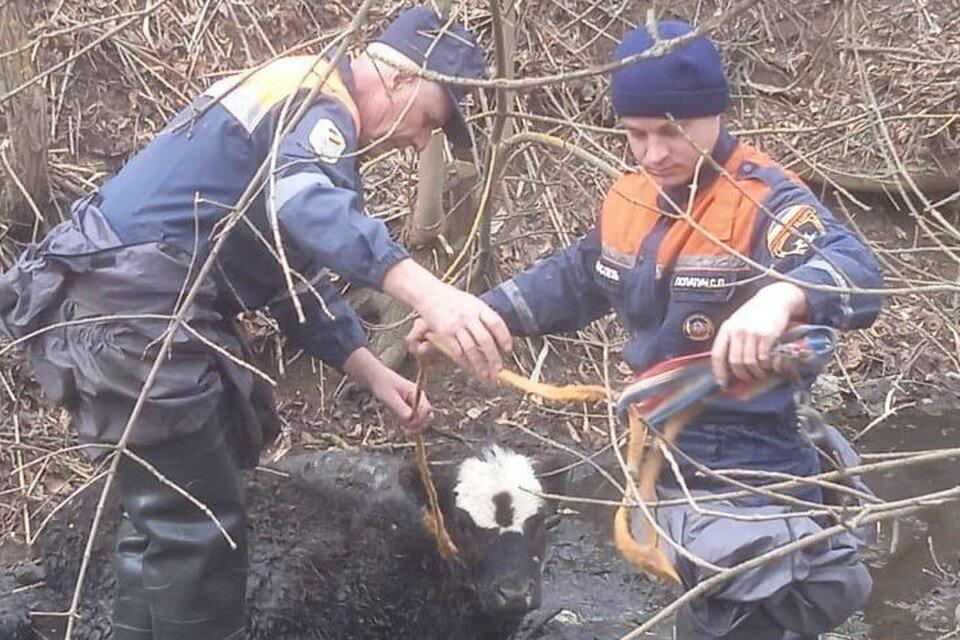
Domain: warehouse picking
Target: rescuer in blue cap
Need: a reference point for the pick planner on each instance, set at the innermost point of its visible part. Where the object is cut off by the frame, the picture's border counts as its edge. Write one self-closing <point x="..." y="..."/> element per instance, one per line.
<point x="711" y="246"/>
<point x="94" y="297"/>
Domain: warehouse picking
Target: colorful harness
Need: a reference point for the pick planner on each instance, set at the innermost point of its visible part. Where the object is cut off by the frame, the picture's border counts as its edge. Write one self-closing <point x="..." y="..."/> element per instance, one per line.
<point x="669" y="387"/>
<point x="665" y="398"/>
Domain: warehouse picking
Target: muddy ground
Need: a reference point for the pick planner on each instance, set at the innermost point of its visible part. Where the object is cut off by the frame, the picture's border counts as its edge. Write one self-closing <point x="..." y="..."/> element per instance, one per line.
<point x="590" y="593"/>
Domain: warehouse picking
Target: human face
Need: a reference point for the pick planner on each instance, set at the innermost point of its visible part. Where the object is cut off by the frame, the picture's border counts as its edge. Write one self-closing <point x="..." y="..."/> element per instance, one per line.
<point x="669" y="150"/>
<point x="404" y="126"/>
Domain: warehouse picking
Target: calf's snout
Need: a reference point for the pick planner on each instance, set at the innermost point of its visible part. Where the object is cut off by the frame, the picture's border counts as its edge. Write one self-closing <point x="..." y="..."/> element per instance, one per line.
<point x="516" y="594"/>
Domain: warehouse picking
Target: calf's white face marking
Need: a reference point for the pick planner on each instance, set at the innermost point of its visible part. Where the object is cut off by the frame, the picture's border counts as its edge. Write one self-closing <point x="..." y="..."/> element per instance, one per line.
<point x="493" y="488"/>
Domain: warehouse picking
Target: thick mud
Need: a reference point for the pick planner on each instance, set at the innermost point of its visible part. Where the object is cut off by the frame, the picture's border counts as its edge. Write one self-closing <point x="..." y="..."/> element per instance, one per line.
<point x="589" y="592"/>
<point x="916" y="561"/>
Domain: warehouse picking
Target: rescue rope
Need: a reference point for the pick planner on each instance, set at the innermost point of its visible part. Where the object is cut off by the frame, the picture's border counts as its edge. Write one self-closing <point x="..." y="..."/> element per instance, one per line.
<point x="433" y="517"/>
<point x="648" y="556"/>
<point x="666" y="398"/>
<point x="564" y="393"/>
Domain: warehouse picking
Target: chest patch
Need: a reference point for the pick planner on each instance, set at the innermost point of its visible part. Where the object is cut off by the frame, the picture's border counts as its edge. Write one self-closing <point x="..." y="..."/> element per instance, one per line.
<point x="327" y="141"/>
<point x="699" y="327"/>
<point x="793" y="231"/>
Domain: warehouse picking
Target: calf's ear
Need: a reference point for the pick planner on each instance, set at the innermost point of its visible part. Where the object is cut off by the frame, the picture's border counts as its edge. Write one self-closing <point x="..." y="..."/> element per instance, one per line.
<point x="444" y="476"/>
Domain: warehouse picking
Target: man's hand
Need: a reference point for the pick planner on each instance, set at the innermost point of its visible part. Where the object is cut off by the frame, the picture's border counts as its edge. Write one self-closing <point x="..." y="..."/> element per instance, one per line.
<point x="418" y="344"/>
<point x="744" y="344"/>
<point x="390" y="388"/>
<point x="466" y="328"/>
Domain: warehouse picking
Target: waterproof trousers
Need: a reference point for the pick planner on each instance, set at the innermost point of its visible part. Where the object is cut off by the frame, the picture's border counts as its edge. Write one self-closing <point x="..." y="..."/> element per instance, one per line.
<point x="178" y="578"/>
<point x="756" y="626"/>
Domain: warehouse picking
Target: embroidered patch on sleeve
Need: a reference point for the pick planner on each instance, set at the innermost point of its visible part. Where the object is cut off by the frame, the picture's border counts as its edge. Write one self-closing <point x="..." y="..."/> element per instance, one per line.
<point x="327" y="141"/>
<point x="793" y="230"/>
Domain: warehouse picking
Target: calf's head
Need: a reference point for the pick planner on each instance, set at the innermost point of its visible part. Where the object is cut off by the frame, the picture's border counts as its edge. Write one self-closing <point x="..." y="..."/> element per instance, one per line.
<point x="498" y="521"/>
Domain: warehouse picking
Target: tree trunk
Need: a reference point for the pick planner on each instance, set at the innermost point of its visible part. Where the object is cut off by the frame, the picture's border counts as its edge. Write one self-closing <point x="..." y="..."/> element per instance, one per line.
<point x="435" y="232"/>
<point x="25" y="189"/>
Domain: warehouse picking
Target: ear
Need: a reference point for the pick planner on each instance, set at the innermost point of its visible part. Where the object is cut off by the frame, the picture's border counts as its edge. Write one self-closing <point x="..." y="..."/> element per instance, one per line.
<point x="444" y="477"/>
<point x="400" y="80"/>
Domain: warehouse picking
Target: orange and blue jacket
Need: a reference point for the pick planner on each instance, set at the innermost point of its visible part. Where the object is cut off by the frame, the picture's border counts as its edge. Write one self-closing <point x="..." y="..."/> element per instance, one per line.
<point x="180" y="188"/>
<point x="674" y="270"/>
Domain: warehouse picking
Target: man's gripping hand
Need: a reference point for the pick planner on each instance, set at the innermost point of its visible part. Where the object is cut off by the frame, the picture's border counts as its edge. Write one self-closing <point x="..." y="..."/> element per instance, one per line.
<point x="396" y="392"/>
<point x="465" y="328"/>
<point x="743" y="348"/>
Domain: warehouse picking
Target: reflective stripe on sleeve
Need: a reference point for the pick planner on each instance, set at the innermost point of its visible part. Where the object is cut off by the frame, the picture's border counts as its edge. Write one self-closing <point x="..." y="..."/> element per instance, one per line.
<point x="289" y="187"/>
<point x="524" y="314"/>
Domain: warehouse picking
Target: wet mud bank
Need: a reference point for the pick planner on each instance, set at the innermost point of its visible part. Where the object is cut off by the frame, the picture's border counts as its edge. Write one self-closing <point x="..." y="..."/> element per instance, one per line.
<point x="589" y="592"/>
<point x="916" y="560"/>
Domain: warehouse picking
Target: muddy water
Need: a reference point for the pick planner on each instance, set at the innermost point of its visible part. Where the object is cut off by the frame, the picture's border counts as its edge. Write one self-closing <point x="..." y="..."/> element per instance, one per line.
<point x="915" y="563"/>
<point x="590" y="593"/>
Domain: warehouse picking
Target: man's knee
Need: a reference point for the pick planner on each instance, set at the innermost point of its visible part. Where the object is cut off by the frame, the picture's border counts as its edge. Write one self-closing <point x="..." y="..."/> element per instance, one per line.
<point x="823" y="601"/>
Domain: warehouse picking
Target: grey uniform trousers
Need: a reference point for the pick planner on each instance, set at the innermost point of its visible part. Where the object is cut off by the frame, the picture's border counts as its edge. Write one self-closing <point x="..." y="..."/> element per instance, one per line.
<point x="795" y="597"/>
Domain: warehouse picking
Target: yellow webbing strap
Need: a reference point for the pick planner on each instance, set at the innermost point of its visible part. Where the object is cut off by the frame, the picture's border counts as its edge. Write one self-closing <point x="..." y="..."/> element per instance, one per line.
<point x="565" y="393"/>
<point x="432" y="515"/>
<point x="649" y="555"/>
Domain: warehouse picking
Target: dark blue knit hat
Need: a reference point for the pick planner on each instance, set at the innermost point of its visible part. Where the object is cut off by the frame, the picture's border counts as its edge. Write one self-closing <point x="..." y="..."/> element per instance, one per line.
<point x="688" y="82"/>
<point x="416" y="33"/>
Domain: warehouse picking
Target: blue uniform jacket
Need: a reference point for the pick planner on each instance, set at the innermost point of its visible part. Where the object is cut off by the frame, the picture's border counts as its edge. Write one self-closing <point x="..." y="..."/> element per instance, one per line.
<point x="181" y="186"/>
<point x="671" y="297"/>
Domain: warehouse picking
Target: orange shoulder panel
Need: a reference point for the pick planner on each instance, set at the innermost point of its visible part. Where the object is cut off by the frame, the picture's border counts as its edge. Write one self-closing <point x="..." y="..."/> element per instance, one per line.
<point x="334" y="85"/>
<point x="723" y="216"/>
<point x="275" y="81"/>
<point x="628" y="214"/>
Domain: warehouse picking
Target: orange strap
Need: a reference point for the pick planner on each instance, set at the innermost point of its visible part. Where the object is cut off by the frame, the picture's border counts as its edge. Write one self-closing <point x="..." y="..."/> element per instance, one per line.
<point x="648" y="556"/>
<point x="432" y="515"/>
<point x="565" y="393"/>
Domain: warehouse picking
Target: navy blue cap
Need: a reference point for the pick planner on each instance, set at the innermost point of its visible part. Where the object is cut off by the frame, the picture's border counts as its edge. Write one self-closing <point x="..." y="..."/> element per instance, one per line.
<point x="688" y="82"/>
<point x="416" y="33"/>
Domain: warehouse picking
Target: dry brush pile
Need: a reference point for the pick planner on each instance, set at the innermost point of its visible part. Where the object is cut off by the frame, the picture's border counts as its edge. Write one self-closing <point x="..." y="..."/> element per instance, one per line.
<point x="858" y="96"/>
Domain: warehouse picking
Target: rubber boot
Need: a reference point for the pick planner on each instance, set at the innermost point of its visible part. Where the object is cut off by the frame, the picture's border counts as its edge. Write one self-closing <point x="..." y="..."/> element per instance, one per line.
<point x="757" y="626"/>
<point x="131" y="610"/>
<point x="193" y="582"/>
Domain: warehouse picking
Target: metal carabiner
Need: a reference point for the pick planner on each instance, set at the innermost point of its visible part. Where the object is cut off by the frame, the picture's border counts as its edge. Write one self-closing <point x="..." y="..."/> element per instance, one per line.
<point x="809" y="421"/>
